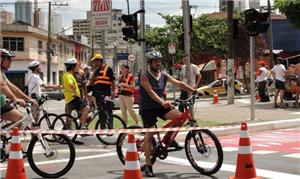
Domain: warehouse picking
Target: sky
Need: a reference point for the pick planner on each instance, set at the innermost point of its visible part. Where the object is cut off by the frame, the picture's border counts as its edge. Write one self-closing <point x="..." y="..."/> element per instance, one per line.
<point x="76" y="9"/>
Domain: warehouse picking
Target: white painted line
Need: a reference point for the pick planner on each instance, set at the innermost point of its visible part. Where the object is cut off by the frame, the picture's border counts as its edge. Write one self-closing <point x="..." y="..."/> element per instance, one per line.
<point x="261" y="145"/>
<point x="263" y="152"/>
<point x="297" y="113"/>
<point x="274" y="143"/>
<point x="245" y="101"/>
<point x="296" y="155"/>
<point x="232" y="168"/>
<point x="230" y="149"/>
<point x="296" y="148"/>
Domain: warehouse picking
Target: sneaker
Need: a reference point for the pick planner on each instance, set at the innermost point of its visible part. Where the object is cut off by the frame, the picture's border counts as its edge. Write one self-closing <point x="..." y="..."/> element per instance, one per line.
<point x="149" y="171"/>
<point x="176" y="145"/>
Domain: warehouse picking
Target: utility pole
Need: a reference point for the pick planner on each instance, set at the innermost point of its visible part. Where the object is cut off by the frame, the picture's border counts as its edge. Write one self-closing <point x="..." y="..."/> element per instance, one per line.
<point x="49" y="42"/>
<point x="103" y="44"/>
<point x="270" y="33"/>
<point x="91" y="32"/>
<point x="252" y="83"/>
<point x="230" y="60"/>
<point x="143" y="42"/>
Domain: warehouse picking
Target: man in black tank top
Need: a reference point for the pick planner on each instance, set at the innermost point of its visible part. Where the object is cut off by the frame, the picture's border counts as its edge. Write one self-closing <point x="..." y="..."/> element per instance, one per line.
<point x="152" y="104"/>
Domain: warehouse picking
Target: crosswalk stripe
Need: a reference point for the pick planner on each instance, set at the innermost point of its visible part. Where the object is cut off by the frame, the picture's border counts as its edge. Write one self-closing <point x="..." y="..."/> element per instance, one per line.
<point x="296" y="155"/>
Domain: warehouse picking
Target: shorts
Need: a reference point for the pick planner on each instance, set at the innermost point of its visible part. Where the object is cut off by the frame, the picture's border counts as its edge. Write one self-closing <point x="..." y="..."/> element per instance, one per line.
<point x="77" y="103"/>
<point x="279" y="85"/>
<point x="149" y="117"/>
<point x="6" y="108"/>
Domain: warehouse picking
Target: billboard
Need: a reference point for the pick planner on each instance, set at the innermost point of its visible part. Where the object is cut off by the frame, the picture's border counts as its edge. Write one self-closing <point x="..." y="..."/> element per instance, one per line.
<point x="101" y="14"/>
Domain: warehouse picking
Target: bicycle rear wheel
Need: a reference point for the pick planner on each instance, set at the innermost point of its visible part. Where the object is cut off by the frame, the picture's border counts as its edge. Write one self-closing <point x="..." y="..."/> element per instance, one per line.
<point x="60" y="123"/>
<point x="110" y="139"/>
<point x="139" y="139"/>
<point x="54" y="162"/>
<point x="204" y="151"/>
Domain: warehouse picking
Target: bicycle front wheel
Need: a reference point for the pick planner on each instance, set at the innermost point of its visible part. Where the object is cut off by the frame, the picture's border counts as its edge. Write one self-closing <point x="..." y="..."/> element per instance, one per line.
<point x="204" y="151"/>
<point x="51" y="159"/>
<point x="60" y="122"/>
<point x="110" y="139"/>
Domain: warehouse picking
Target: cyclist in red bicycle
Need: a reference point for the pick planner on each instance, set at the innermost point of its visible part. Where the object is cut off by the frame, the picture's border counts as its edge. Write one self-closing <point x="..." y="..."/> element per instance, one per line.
<point x="152" y="104"/>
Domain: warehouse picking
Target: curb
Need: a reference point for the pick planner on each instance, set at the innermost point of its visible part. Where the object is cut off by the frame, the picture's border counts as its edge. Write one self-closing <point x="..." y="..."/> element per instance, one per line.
<point x="257" y="127"/>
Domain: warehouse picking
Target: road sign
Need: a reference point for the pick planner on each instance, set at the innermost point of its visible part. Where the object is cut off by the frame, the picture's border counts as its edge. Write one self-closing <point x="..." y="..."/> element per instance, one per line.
<point x="172" y="48"/>
<point x="122" y="56"/>
<point x="101" y="14"/>
<point x="131" y="57"/>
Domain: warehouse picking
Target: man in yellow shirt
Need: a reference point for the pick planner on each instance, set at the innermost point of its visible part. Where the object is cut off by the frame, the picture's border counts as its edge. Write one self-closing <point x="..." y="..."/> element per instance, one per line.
<point x="72" y="93"/>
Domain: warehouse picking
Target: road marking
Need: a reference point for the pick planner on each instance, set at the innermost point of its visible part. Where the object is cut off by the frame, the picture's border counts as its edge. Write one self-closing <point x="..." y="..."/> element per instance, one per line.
<point x="297" y="113"/>
<point x="230" y="149"/>
<point x="274" y="143"/>
<point x="245" y="101"/>
<point x="297" y="155"/>
<point x="296" y="148"/>
<point x="4" y="166"/>
<point x="232" y="168"/>
<point x="263" y="152"/>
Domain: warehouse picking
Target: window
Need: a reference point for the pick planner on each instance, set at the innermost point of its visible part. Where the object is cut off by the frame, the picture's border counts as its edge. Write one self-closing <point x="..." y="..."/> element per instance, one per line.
<point x="54" y="77"/>
<point x="13" y="43"/>
<point x="40" y="44"/>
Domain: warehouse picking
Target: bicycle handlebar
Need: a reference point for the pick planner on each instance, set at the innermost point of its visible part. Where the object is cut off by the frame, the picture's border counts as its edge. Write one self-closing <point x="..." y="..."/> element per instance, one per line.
<point x="187" y="102"/>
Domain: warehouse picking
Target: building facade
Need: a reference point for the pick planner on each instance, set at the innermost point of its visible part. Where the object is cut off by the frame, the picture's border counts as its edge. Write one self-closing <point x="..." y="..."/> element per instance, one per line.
<point x="29" y="43"/>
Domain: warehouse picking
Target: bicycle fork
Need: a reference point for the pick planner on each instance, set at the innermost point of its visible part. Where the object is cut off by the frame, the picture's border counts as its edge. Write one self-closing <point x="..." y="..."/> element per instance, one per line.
<point x="199" y="142"/>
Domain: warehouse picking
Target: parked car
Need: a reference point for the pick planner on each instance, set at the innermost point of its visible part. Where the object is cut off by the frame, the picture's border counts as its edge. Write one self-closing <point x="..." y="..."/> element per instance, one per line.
<point x="221" y="87"/>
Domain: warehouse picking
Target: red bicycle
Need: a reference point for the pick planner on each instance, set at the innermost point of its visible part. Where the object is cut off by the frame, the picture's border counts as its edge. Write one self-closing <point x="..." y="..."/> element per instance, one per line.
<point x="202" y="147"/>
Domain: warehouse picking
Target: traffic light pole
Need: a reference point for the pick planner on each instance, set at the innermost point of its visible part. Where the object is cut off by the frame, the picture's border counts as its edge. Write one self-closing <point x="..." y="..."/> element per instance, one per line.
<point x="252" y="83"/>
<point x="270" y="33"/>
<point x="143" y="42"/>
<point x="230" y="60"/>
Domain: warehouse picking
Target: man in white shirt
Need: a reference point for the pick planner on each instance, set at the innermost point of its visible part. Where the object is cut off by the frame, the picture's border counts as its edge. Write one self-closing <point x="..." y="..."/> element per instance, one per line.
<point x="195" y="79"/>
<point x="278" y="72"/>
<point x="262" y="77"/>
<point x="34" y="83"/>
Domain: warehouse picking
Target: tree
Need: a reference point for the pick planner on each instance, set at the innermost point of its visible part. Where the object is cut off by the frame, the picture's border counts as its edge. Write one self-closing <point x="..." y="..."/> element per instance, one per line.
<point x="291" y="8"/>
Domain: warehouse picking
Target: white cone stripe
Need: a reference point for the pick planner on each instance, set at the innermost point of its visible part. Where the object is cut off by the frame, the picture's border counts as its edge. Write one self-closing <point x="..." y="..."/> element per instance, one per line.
<point x="245" y="150"/>
<point x="15" y="140"/>
<point x="131" y="147"/>
<point x="244" y="134"/>
<point x="132" y="165"/>
<point x="15" y="155"/>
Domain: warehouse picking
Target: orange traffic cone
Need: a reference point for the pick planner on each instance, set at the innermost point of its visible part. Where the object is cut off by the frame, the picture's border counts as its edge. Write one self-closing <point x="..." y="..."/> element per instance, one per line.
<point x="15" y="166"/>
<point x="245" y="168"/>
<point x="132" y="165"/>
<point x="215" y="98"/>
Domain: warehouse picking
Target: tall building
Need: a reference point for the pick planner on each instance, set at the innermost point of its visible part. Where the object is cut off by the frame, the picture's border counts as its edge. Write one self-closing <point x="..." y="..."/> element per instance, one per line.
<point x="83" y="27"/>
<point x="56" y="23"/>
<point x="238" y="4"/>
<point x="23" y="12"/>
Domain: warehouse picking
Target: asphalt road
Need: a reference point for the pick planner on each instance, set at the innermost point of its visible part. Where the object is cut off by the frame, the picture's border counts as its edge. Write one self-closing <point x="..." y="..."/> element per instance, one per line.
<point x="276" y="155"/>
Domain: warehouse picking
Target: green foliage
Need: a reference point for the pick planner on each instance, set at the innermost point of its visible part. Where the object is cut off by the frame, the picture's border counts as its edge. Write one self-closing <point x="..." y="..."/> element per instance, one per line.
<point x="291" y="8"/>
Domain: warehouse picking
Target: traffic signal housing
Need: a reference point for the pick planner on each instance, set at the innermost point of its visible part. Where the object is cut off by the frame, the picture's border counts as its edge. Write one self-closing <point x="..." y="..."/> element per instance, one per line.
<point x="256" y="22"/>
<point x="131" y="29"/>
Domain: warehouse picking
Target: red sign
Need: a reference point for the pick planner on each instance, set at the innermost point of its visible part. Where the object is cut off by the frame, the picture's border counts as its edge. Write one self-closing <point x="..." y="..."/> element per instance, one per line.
<point x="101" y="5"/>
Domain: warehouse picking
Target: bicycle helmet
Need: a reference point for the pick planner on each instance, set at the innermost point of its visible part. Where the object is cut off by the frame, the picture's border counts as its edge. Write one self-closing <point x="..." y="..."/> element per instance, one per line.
<point x="97" y="56"/>
<point x="6" y="53"/>
<point x="70" y="61"/>
<point x="33" y="64"/>
<point x="153" y="55"/>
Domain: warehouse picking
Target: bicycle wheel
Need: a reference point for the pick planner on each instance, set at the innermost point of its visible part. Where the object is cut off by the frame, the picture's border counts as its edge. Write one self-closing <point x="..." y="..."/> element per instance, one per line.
<point x="53" y="161"/>
<point x="204" y="151"/>
<point x="110" y="139"/>
<point x="139" y="139"/>
<point x="46" y="121"/>
<point x="60" y="122"/>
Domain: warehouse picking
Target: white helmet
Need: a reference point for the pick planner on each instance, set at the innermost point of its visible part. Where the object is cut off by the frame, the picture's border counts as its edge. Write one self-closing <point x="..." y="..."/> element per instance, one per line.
<point x="33" y="63"/>
<point x="70" y="61"/>
<point x="153" y="55"/>
<point x="5" y="53"/>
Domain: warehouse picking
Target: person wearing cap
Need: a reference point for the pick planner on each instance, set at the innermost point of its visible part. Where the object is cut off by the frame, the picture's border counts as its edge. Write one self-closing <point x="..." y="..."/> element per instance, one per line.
<point x="262" y="77"/>
<point x="9" y="90"/>
<point x="34" y="83"/>
<point x="278" y="72"/>
<point x="72" y="93"/>
<point x="153" y="105"/>
<point x="126" y="86"/>
<point x="103" y="80"/>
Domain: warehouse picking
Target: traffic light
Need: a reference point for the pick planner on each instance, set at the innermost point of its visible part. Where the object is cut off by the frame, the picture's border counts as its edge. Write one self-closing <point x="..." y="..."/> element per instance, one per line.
<point x="130" y="31"/>
<point x="181" y="41"/>
<point x="235" y="28"/>
<point x="256" y="22"/>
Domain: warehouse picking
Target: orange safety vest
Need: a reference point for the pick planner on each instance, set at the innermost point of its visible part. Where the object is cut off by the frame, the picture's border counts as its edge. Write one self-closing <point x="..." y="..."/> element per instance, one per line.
<point x="102" y="78"/>
<point x="127" y="82"/>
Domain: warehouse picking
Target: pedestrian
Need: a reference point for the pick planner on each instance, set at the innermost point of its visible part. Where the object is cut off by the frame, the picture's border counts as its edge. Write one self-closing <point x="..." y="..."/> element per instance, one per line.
<point x="195" y="79"/>
<point x="103" y="80"/>
<point x="262" y="75"/>
<point x="34" y="83"/>
<point x="278" y="72"/>
<point x="247" y="77"/>
<point x="152" y="104"/>
<point x="126" y="86"/>
<point x="81" y="81"/>
<point x="297" y="72"/>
